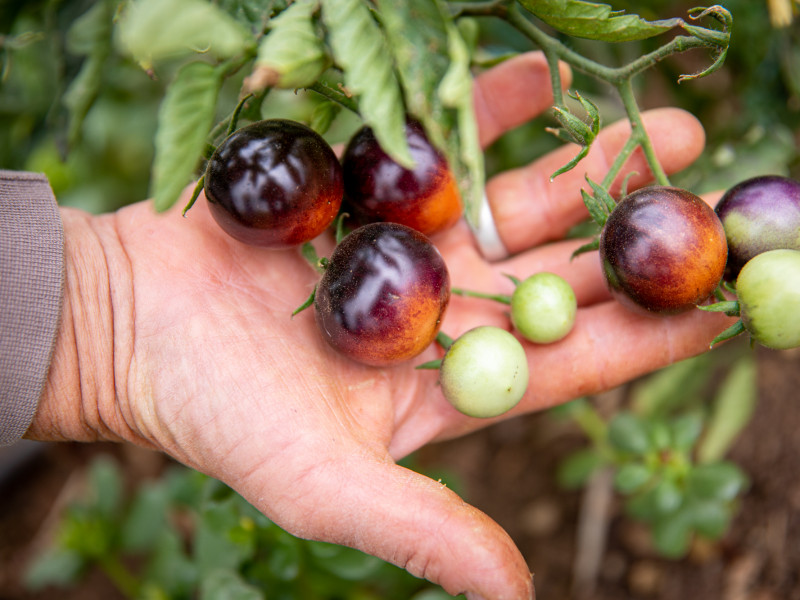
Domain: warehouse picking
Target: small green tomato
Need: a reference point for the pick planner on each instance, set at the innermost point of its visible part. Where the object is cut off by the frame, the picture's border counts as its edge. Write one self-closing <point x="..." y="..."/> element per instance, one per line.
<point x="484" y="373"/>
<point x="543" y="308"/>
<point x="768" y="288"/>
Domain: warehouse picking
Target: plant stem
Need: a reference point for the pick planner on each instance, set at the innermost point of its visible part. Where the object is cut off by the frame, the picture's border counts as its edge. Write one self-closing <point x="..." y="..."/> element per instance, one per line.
<point x="469" y="293"/>
<point x="120" y="576"/>
<point x="630" y="145"/>
<point x="638" y="131"/>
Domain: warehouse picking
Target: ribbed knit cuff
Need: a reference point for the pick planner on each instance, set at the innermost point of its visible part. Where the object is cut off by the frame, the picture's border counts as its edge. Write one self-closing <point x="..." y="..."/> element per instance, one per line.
<point x="31" y="294"/>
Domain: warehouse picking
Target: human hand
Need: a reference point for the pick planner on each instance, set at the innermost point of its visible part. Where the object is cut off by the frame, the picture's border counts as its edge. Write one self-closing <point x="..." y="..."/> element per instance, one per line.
<point x="178" y="338"/>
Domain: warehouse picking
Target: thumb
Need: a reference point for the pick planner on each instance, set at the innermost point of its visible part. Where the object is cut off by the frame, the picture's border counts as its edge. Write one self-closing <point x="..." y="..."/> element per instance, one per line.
<point x="416" y="523"/>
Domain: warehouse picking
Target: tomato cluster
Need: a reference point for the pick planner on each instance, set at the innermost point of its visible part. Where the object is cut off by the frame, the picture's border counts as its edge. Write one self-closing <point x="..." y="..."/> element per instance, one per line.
<point x="381" y="300"/>
<point x="278" y="184"/>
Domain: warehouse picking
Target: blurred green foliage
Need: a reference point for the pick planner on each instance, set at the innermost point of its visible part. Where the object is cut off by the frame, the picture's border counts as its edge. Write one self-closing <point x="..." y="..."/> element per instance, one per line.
<point x="750" y="109"/>
<point x="185" y="535"/>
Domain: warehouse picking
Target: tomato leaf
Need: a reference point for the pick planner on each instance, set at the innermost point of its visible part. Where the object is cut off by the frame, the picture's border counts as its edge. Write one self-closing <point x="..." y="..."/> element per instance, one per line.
<point x="149" y="30"/>
<point x="293" y="54"/>
<point x="360" y="49"/>
<point x="596" y="21"/>
<point x="184" y="120"/>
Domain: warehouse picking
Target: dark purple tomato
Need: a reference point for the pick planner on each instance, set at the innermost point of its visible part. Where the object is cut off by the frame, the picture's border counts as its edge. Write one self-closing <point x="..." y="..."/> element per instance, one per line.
<point x="662" y="250"/>
<point x="383" y="295"/>
<point x="425" y="198"/>
<point x="275" y="183"/>
<point x="759" y="214"/>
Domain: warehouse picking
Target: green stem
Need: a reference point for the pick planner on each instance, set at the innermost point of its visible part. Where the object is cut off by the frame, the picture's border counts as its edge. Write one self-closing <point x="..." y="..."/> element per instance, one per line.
<point x="120" y="576"/>
<point x="591" y="423"/>
<point x="469" y="293"/>
<point x="630" y="145"/>
<point x="638" y="131"/>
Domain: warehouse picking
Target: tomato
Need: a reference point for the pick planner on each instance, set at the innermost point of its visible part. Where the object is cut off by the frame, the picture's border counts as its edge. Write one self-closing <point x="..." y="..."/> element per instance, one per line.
<point x="663" y="250"/>
<point x="768" y="290"/>
<point x="759" y="214"/>
<point x="275" y="183"/>
<point x="383" y="295"/>
<point x="484" y="373"/>
<point x="543" y="308"/>
<point x="377" y="188"/>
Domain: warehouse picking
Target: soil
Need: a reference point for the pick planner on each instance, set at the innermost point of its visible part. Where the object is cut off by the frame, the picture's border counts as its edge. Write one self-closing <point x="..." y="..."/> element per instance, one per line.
<point x="508" y="471"/>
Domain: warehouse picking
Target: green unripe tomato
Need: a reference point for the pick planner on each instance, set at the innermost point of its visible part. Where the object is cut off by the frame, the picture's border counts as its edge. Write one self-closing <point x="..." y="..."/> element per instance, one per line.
<point x="768" y="288"/>
<point x="484" y="373"/>
<point x="543" y="308"/>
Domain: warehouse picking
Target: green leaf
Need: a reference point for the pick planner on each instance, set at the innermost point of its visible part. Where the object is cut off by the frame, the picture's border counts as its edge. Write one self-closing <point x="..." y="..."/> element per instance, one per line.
<point x="684" y="431"/>
<point x="730" y="333"/>
<point x="55" y="567"/>
<point x="105" y="486"/>
<point x="215" y="545"/>
<point x="631" y="477"/>
<point x="184" y="120"/>
<point x="170" y="568"/>
<point x="345" y="563"/>
<point x="716" y="481"/>
<point x="578" y="467"/>
<point x="664" y="498"/>
<point x="672" y="535"/>
<point x="710" y="518"/>
<point x="226" y="584"/>
<point x="596" y="21"/>
<point x="145" y="520"/>
<point x="153" y="30"/>
<point x="292" y="54"/>
<point x="90" y="35"/>
<point x="360" y="49"/>
<point x="733" y="407"/>
<point x="628" y="433"/>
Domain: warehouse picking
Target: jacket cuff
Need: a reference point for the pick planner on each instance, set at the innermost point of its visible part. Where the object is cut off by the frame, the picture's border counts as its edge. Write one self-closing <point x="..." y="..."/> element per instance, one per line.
<point x="31" y="295"/>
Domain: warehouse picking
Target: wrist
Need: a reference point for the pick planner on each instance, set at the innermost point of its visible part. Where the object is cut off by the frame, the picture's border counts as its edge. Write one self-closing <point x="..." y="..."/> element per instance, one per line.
<point x="85" y="386"/>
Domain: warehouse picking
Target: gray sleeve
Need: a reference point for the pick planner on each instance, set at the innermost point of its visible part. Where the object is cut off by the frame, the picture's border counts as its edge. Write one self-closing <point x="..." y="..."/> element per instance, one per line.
<point x="31" y="292"/>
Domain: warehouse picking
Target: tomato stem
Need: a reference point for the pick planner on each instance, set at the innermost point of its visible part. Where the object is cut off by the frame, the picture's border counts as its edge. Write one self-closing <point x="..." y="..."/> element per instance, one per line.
<point x="502" y="298"/>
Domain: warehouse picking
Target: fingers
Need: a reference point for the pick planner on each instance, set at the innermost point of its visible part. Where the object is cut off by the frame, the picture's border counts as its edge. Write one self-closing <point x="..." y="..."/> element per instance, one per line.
<point x="529" y="209"/>
<point x="514" y="92"/>
<point x="611" y="345"/>
<point x="409" y="520"/>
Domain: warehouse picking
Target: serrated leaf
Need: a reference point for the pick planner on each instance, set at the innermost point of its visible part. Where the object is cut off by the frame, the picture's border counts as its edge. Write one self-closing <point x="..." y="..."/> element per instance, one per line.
<point x="292" y="54"/>
<point x="184" y="120"/>
<point x="432" y="61"/>
<point x="596" y="21"/>
<point x="151" y="30"/>
<point x="360" y="49"/>
<point x="734" y="404"/>
<point x="455" y="91"/>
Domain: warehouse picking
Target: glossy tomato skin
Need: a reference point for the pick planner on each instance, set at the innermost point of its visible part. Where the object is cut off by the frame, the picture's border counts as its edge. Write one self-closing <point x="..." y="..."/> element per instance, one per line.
<point x="425" y="198"/>
<point x="663" y="250"/>
<point x="383" y="295"/>
<point x="275" y="183"/>
<point x="768" y="290"/>
<point x="759" y="214"/>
